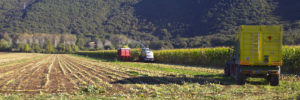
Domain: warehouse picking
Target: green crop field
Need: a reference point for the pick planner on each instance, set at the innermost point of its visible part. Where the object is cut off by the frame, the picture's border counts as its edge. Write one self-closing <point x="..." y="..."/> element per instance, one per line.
<point x="207" y="57"/>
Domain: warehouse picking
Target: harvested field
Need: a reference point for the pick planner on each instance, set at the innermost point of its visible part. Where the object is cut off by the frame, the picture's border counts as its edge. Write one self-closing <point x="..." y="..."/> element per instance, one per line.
<point x="37" y="74"/>
<point x="55" y="74"/>
<point x="58" y="74"/>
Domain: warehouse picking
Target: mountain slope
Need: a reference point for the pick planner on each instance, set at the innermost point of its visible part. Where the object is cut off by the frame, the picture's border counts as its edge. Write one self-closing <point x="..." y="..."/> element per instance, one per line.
<point x="168" y="23"/>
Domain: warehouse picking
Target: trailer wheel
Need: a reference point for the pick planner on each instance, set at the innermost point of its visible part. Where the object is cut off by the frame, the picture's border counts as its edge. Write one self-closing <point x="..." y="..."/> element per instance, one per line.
<point x="268" y="78"/>
<point x="274" y="80"/>
<point x="240" y="77"/>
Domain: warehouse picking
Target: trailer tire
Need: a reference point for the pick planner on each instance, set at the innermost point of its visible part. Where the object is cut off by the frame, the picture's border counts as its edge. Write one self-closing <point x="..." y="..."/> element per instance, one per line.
<point x="240" y="77"/>
<point x="268" y="78"/>
<point x="274" y="80"/>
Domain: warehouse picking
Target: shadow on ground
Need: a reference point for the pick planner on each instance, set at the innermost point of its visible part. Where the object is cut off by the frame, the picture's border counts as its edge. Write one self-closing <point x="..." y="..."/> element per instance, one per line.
<point x="180" y="80"/>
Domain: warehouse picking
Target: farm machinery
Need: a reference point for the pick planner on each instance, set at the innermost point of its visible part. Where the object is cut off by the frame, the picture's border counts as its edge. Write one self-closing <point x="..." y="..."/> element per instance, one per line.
<point x="146" y="55"/>
<point x="123" y="54"/>
<point x="257" y="53"/>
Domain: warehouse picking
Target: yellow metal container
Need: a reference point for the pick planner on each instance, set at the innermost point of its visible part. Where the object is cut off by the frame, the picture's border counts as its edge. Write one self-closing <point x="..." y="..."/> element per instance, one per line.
<point x="260" y="45"/>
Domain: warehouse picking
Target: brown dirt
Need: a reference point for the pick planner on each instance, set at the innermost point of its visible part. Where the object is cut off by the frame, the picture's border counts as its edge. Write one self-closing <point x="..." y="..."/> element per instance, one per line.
<point x="58" y="74"/>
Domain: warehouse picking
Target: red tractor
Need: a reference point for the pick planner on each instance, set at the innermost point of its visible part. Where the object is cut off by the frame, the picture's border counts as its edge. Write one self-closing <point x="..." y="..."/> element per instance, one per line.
<point x="123" y="54"/>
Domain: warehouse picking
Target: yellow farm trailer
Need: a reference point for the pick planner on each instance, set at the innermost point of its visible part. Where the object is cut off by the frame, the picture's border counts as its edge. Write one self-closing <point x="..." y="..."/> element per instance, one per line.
<point x="258" y="53"/>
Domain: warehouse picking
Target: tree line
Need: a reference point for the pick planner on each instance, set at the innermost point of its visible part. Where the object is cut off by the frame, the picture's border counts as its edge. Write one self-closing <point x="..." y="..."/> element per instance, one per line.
<point x="39" y="43"/>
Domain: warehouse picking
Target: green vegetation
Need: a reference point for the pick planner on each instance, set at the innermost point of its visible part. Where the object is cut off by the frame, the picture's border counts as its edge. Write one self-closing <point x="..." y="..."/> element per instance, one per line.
<point x="166" y="69"/>
<point x="49" y="47"/>
<point x="92" y="90"/>
<point x="39" y="42"/>
<point x="109" y="54"/>
<point x="209" y="57"/>
<point x="133" y="73"/>
<point x="4" y="45"/>
<point x="291" y="58"/>
<point x="214" y="57"/>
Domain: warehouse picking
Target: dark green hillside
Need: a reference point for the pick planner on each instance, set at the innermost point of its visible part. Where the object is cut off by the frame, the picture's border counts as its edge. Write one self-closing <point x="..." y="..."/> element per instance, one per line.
<point x="156" y="23"/>
<point x="289" y="10"/>
<point x="180" y="17"/>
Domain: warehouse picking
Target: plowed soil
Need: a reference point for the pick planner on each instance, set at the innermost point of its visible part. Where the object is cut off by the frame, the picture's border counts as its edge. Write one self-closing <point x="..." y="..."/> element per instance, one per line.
<point x="63" y="74"/>
<point x="57" y="74"/>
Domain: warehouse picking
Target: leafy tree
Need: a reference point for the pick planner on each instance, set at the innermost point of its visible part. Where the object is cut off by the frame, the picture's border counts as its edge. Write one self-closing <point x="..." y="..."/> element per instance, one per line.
<point x="61" y="47"/>
<point x="75" y="48"/>
<point x="49" y="47"/>
<point x="36" y="48"/>
<point x="69" y="49"/>
<point x="4" y="45"/>
<point x="27" y="48"/>
<point x="108" y="47"/>
<point x="156" y="45"/>
<point x="80" y="43"/>
<point x="21" y="47"/>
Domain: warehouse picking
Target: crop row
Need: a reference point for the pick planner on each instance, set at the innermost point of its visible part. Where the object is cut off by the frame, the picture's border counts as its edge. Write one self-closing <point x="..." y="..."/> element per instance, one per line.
<point x="109" y="54"/>
<point x="107" y="74"/>
<point x="210" y="57"/>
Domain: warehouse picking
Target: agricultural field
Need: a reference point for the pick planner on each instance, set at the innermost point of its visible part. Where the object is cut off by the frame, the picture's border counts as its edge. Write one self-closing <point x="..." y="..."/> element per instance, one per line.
<point x="65" y="76"/>
<point x="206" y="57"/>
